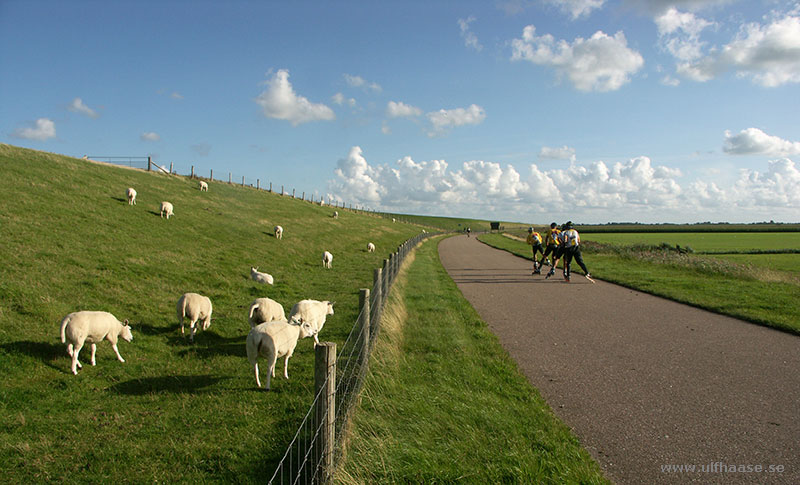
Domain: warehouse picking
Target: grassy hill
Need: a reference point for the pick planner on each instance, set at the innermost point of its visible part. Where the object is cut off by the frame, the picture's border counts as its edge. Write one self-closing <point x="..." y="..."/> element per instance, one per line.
<point x="174" y="412"/>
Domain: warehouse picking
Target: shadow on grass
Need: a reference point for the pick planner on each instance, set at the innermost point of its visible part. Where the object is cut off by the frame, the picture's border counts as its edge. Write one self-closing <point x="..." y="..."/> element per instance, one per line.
<point x="146" y="329"/>
<point x="120" y="199"/>
<point x="166" y="384"/>
<point x="46" y="352"/>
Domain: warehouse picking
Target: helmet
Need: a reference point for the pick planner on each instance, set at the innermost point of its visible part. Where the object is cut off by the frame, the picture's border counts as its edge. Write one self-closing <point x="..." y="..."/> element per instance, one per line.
<point x="530" y="229"/>
<point x="553" y="225"/>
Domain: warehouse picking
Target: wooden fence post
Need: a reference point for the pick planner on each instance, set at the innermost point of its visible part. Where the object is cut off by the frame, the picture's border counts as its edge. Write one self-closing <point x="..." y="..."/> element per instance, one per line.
<point x="230" y="178"/>
<point x="385" y="279"/>
<point x="377" y="284"/>
<point x="149" y="163"/>
<point x="270" y="187"/>
<point x="170" y="167"/>
<point x="366" y="321"/>
<point x="192" y="176"/>
<point x="211" y="177"/>
<point x="258" y="184"/>
<point x="325" y="388"/>
<point x="242" y="180"/>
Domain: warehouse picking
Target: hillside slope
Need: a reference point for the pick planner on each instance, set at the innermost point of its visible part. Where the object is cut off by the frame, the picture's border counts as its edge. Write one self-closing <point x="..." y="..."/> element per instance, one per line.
<point x="174" y="411"/>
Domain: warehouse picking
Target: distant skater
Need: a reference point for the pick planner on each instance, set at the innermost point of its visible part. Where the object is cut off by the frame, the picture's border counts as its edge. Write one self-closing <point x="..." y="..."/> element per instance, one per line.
<point x="534" y="239"/>
<point x="550" y="244"/>
<point x="468" y="231"/>
<point x="572" y="249"/>
<point x="558" y="253"/>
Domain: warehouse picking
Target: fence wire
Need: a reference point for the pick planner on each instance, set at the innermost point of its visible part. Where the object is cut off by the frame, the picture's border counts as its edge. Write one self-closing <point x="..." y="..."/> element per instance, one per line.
<point x="302" y="463"/>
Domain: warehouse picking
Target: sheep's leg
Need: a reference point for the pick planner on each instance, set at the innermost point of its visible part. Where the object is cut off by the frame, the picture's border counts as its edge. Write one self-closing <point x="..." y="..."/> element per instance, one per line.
<point x="258" y="381"/>
<point x="75" y="363"/>
<point x="116" y="351"/>
<point x="286" y="366"/>
<point x="182" y="326"/>
<point x="70" y="350"/>
<point x="316" y="340"/>
<point x="94" y="350"/>
<point x="273" y="359"/>
<point x="193" y="329"/>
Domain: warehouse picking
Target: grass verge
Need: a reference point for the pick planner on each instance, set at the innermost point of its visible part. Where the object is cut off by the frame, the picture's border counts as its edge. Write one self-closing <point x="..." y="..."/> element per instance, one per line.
<point x="759" y="296"/>
<point x="444" y="402"/>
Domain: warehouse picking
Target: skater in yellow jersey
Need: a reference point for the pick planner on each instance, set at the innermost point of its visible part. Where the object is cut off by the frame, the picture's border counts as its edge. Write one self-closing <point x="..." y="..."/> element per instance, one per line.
<point x="535" y="241"/>
<point x="558" y="252"/>
<point x="550" y="244"/>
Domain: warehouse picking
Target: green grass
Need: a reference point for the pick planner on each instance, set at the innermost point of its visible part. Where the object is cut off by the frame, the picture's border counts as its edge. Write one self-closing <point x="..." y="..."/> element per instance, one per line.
<point x="174" y="412"/>
<point x="765" y="297"/>
<point x="776" y="262"/>
<point x="706" y="242"/>
<point x="444" y="403"/>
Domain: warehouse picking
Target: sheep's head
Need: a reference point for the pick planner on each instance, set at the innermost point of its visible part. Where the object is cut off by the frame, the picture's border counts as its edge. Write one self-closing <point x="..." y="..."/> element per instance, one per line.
<point x="329" y="310"/>
<point x="306" y="329"/>
<point x="126" y="332"/>
<point x="206" y="324"/>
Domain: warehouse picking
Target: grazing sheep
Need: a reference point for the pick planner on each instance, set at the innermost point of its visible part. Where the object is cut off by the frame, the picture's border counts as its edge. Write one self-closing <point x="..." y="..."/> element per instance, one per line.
<point x="335" y="214"/>
<point x="203" y="186"/>
<point x="327" y="259"/>
<point x="313" y="312"/>
<point x="85" y="326"/>
<point x="130" y="194"/>
<point x="394" y="220"/>
<point x="370" y="248"/>
<point x="194" y="307"/>
<point x="272" y="340"/>
<point x="265" y="310"/>
<point x="278" y="232"/>
<point x="166" y="208"/>
<point x="259" y="277"/>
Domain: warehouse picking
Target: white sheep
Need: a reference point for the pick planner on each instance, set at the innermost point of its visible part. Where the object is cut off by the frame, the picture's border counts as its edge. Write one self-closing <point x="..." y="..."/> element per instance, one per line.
<point x="370" y="248"/>
<point x="272" y="340"/>
<point x="265" y="310"/>
<point x="167" y="209"/>
<point x="327" y="259"/>
<point x="278" y="232"/>
<point x="86" y="326"/>
<point x="260" y="277"/>
<point x="313" y="312"/>
<point x="130" y="194"/>
<point x="194" y="307"/>
<point x="394" y="220"/>
<point x="335" y="214"/>
<point x="203" y="186"/>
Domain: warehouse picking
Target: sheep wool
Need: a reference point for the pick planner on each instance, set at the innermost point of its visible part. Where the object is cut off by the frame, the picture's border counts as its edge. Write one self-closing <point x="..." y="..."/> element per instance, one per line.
<point x="78" y="328"/>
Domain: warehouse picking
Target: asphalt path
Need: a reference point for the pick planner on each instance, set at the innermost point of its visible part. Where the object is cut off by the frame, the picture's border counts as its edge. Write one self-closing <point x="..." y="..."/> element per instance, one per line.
<point x="644" y="382"/>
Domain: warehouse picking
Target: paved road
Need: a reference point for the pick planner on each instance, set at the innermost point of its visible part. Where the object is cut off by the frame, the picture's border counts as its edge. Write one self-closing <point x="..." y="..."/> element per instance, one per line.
<point x="643" y="382"/>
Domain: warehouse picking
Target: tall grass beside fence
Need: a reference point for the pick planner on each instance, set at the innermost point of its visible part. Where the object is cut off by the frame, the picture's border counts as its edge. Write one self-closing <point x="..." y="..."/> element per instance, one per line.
<point x="760" y="296"/>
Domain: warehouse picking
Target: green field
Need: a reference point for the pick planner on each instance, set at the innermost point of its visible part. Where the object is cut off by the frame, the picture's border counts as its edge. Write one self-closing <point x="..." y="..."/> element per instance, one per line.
<point x="776" y="262"/>
<point x="706" y="242"/>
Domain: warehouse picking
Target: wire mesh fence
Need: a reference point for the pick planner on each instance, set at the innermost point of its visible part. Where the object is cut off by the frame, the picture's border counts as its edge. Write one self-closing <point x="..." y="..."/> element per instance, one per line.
<point x="318" y="444"/>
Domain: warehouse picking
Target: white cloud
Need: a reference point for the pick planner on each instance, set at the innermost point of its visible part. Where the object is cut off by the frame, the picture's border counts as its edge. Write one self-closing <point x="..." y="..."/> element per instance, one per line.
<point x="577" y="8"/>
<point x="778" y="187"/>
<point x="44" y="129"/>
<point x="443" y="119"/>
<point x="657" y="7"/>
<point x="768" y="54"/>
<point x="401" y="110"/>
<point x="360" y="82"/>
<point x="561" y="153"/>
<point x="340" y="99"/>
<point x="279" y="101"/>
<point x="754" y="141"/>
<point x="635" y="189"/>
<point x="149" y="136"/>
<point x="600" y="63"/>
<point x="679" y="34"/>
<point x="470" y="39"/>
<point x="176" y="95"/>
<point x="78" y="106"/>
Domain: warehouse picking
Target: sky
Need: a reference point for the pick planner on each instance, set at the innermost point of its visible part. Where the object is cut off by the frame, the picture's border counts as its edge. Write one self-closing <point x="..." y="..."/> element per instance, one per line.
<point x="595" y="111"/>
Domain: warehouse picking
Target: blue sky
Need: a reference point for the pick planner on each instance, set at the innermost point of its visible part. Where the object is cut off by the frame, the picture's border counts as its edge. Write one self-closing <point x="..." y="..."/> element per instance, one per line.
<point x="533" y="111"/>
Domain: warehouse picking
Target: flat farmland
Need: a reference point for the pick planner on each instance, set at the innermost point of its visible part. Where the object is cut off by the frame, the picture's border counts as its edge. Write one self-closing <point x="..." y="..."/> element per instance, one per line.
<point x="777" y="262"/>
<point x="705" y="242"/>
